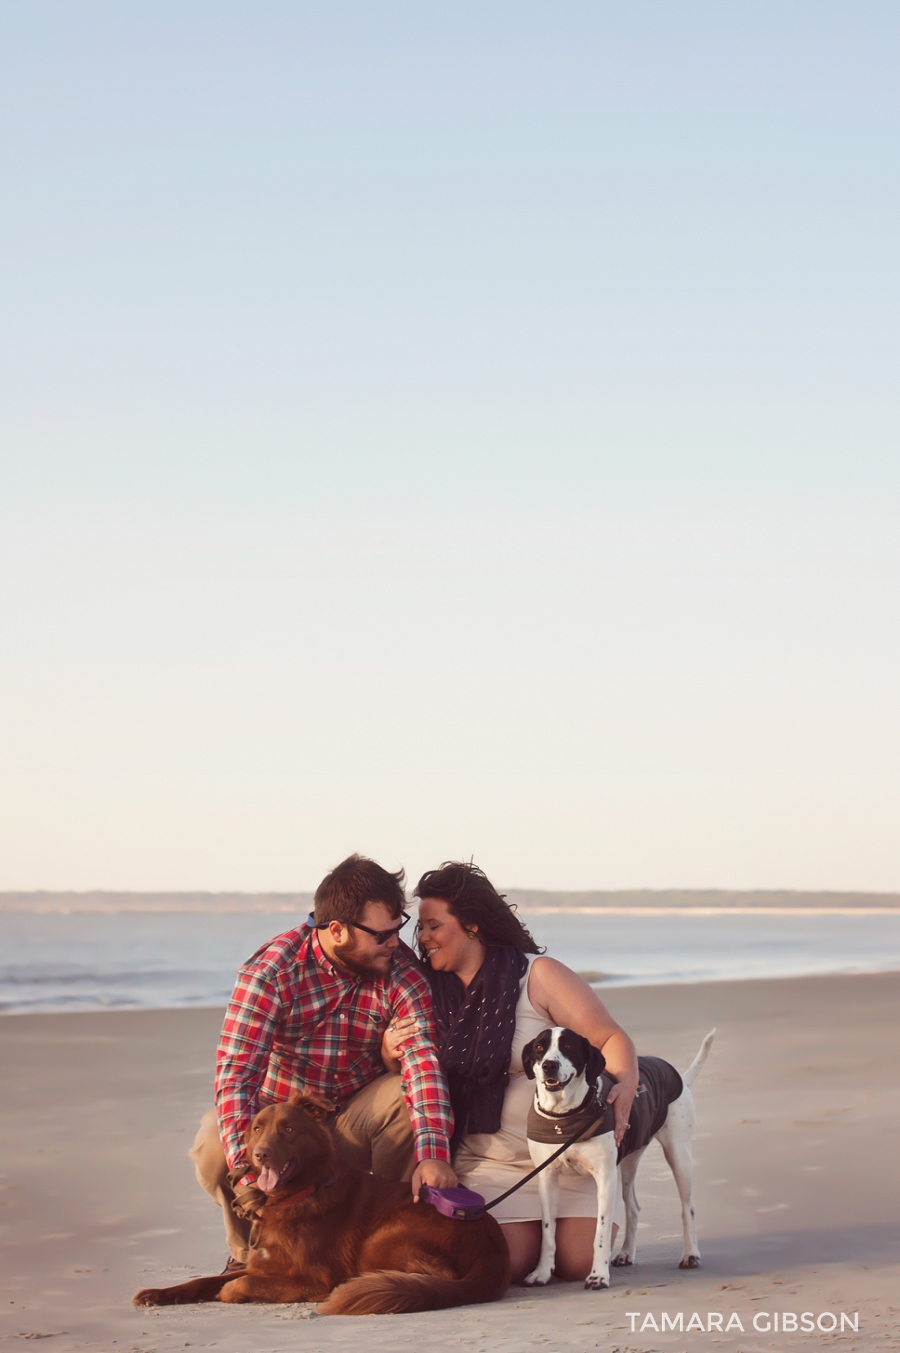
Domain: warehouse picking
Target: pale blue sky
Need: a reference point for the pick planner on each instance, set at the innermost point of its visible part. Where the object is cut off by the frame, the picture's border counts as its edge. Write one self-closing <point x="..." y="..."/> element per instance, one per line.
<point x="445" y="430"/>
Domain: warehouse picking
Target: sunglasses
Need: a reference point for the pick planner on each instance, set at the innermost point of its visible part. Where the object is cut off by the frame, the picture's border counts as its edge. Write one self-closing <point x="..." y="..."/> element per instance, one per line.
<point x="379" y="936"/>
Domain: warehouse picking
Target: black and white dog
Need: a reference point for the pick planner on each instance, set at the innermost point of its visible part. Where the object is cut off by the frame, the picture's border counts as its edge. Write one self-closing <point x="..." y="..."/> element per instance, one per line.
<point x="570" y="1097"/>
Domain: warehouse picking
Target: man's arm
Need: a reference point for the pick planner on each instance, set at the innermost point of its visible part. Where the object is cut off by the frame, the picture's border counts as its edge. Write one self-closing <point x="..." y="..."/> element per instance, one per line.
<point x="423" y="1085"/>
<point x="243" y="1055"/>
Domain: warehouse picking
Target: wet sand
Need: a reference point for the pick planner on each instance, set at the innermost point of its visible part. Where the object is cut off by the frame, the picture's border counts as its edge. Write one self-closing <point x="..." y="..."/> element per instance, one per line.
<point x="797" y="1187"/>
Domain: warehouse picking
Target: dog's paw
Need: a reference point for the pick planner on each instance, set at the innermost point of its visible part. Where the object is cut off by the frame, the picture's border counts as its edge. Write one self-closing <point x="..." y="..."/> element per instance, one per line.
<point x="234" y="1293"/>
<point x="690" y="1261"/>
<point x="594" y="1283"/>
<point x="148" y="1296"/>
<point x="622" y="1260"/>
<point x="536" y="1278"/>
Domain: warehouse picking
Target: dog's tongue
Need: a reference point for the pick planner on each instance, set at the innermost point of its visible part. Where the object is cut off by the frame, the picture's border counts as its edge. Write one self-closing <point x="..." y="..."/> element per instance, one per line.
<point x="268" y="1179"/>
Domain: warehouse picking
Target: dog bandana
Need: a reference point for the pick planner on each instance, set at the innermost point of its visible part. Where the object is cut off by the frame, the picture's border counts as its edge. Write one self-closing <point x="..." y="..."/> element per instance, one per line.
<point x="659" y="1084"/>
<point x="556" y="1128"/>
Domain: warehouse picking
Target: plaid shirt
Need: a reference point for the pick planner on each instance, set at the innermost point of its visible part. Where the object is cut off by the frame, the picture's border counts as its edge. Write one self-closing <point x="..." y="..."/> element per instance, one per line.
<point x="295" y="1023"/>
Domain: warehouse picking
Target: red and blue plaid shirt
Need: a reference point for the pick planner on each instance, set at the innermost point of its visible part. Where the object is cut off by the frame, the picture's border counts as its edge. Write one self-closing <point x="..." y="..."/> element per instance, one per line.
<point x="296" y="1023"/>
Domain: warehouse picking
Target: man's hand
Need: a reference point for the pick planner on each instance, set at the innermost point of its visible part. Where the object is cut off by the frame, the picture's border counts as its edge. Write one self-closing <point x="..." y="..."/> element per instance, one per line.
<point x="247" y="1197"/>
<point x="438" y="1173"/>
<point x="247" y="1201"/>
<point x="621" y="1097"/>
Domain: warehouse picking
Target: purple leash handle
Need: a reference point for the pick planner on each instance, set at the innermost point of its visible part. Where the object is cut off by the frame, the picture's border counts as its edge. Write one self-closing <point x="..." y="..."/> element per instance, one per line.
<point x="463" y="1204"/>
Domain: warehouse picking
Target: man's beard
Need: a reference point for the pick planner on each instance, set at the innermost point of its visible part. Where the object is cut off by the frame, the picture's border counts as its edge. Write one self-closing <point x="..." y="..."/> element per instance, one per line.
<point x="345" y="956"/>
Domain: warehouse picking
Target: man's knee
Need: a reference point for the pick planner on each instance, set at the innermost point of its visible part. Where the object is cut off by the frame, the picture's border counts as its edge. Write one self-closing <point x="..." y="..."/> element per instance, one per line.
<point x="392" y="1144"/>
<point x="209" y="1127"/>
<point x="390" y="1128"/>
<point x="207" y="1154"/>
<point x="389" y="1106"/>
<point x="374" y="1131"/>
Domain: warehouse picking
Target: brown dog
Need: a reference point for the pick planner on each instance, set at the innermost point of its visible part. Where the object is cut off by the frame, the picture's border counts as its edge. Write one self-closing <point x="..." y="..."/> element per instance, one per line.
<point x="329" y="1231"/>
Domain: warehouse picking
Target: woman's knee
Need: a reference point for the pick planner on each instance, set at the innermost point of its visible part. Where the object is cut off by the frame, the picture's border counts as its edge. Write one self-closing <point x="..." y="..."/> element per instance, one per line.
<point x="523" y="1240"/>
<point x="575" y="1247"/>
<point x="572" y="1267"/>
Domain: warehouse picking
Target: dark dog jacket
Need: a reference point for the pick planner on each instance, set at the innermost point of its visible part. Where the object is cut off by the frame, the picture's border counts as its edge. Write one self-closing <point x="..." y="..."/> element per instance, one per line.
<point x="658" y="1085"/>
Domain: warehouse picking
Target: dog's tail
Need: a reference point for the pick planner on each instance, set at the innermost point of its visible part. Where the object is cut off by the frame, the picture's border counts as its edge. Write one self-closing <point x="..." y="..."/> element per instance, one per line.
<point x="697" y="1064"/>
<point x="392" y="1292"/>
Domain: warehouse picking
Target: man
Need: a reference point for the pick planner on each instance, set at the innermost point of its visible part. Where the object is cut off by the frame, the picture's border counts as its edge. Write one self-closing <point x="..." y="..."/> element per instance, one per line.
<point x="308" y="1013"/>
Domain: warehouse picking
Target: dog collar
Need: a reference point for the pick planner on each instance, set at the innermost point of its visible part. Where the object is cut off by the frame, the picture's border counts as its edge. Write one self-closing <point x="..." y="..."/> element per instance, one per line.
<point x="303" y="1194"/>
<point x="292" y="1197"/>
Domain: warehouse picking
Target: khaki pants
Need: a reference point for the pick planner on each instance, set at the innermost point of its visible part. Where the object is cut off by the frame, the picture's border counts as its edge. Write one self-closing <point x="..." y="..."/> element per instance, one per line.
<point x="372" y="1132"/>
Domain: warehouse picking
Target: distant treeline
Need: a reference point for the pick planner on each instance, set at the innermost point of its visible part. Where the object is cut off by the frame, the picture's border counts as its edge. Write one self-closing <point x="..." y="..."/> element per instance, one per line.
<point x="99" y="901"/>
<point x="533" y="899"/>
<point x="300" y="904"/>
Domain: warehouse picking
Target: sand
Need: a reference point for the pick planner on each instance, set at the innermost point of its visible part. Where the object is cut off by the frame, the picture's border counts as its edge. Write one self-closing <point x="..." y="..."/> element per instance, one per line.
<point x="797" y="1186"/>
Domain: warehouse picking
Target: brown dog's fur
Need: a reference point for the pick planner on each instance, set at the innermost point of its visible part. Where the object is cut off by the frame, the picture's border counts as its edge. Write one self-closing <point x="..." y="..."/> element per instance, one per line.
<point x="358" y="1243"/>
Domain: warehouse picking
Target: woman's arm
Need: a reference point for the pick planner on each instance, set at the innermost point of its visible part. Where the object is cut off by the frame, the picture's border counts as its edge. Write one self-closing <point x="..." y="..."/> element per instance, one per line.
<point x="570" y="1002"/>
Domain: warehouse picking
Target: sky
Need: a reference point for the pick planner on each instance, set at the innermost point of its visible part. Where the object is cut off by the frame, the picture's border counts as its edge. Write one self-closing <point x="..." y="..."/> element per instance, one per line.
<point x="449" y="431"/>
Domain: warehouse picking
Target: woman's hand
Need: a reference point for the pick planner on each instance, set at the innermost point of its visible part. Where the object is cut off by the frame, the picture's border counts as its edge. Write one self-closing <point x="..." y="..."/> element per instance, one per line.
<point x="621" y="1097"/>
<point x="394" y="1041"/>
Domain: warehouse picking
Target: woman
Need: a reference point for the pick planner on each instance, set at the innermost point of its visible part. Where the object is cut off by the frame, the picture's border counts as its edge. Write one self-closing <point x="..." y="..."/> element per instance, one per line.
<point x="493" y="992"/>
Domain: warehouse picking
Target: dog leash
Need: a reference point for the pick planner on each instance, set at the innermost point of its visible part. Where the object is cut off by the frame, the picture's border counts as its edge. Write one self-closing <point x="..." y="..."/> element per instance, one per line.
<point x="467" y="1205"/>
<point x="549" y="1161"/>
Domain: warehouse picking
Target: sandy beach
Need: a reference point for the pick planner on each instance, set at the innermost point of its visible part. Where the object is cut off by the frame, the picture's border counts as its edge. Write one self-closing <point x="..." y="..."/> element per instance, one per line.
<point x="797" y="1188"/>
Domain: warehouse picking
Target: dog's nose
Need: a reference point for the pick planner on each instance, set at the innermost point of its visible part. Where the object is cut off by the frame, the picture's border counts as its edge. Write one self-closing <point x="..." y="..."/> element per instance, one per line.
<point x="261" y="1154"/>
<point x="549" y="1067"/>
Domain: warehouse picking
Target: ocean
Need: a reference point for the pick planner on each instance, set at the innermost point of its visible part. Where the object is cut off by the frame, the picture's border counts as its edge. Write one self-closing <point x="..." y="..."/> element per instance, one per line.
<point x="145" y="960"/>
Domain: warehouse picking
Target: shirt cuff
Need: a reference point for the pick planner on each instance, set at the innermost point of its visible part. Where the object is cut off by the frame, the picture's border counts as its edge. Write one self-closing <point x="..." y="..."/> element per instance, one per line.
<point x="432" y="1146"/>
<point x="235" y="1155"/>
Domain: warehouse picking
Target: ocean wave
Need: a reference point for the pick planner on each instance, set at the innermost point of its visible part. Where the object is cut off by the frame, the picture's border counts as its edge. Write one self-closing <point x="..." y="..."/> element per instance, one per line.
<point x="60" y="1004"/>
<point x="46" y="976"/>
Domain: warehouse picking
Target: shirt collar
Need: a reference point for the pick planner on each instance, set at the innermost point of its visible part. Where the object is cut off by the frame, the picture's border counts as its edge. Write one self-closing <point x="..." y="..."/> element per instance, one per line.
<point x="322" y="959"/>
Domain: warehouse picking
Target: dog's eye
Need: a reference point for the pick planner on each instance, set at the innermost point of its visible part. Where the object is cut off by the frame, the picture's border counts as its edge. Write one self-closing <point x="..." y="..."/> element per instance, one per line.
<point x="288" y="1128"/>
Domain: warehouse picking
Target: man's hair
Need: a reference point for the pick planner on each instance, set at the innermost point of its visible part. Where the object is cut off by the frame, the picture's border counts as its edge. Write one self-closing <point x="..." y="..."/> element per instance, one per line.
<point x="473" y="900"/>
<point x="342" y="895"/>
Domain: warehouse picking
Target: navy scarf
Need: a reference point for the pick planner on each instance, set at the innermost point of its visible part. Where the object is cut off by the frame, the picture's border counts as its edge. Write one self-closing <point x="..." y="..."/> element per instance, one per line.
<point x="475" y="1032"/>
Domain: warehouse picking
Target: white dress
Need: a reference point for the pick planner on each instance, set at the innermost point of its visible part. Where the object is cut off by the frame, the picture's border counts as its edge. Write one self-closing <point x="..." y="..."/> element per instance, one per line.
<point x="491" y="1162"/>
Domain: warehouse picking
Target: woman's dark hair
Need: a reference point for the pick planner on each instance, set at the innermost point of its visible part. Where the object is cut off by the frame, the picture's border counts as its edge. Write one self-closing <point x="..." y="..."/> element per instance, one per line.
<point x="474" y="901"/>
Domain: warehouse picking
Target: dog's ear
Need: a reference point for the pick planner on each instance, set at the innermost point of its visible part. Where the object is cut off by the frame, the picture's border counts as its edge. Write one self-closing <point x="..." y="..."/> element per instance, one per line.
<point x="528" y="1059"/>
<point x="594" y="1062"/>
<point x="317" y="1108"/>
